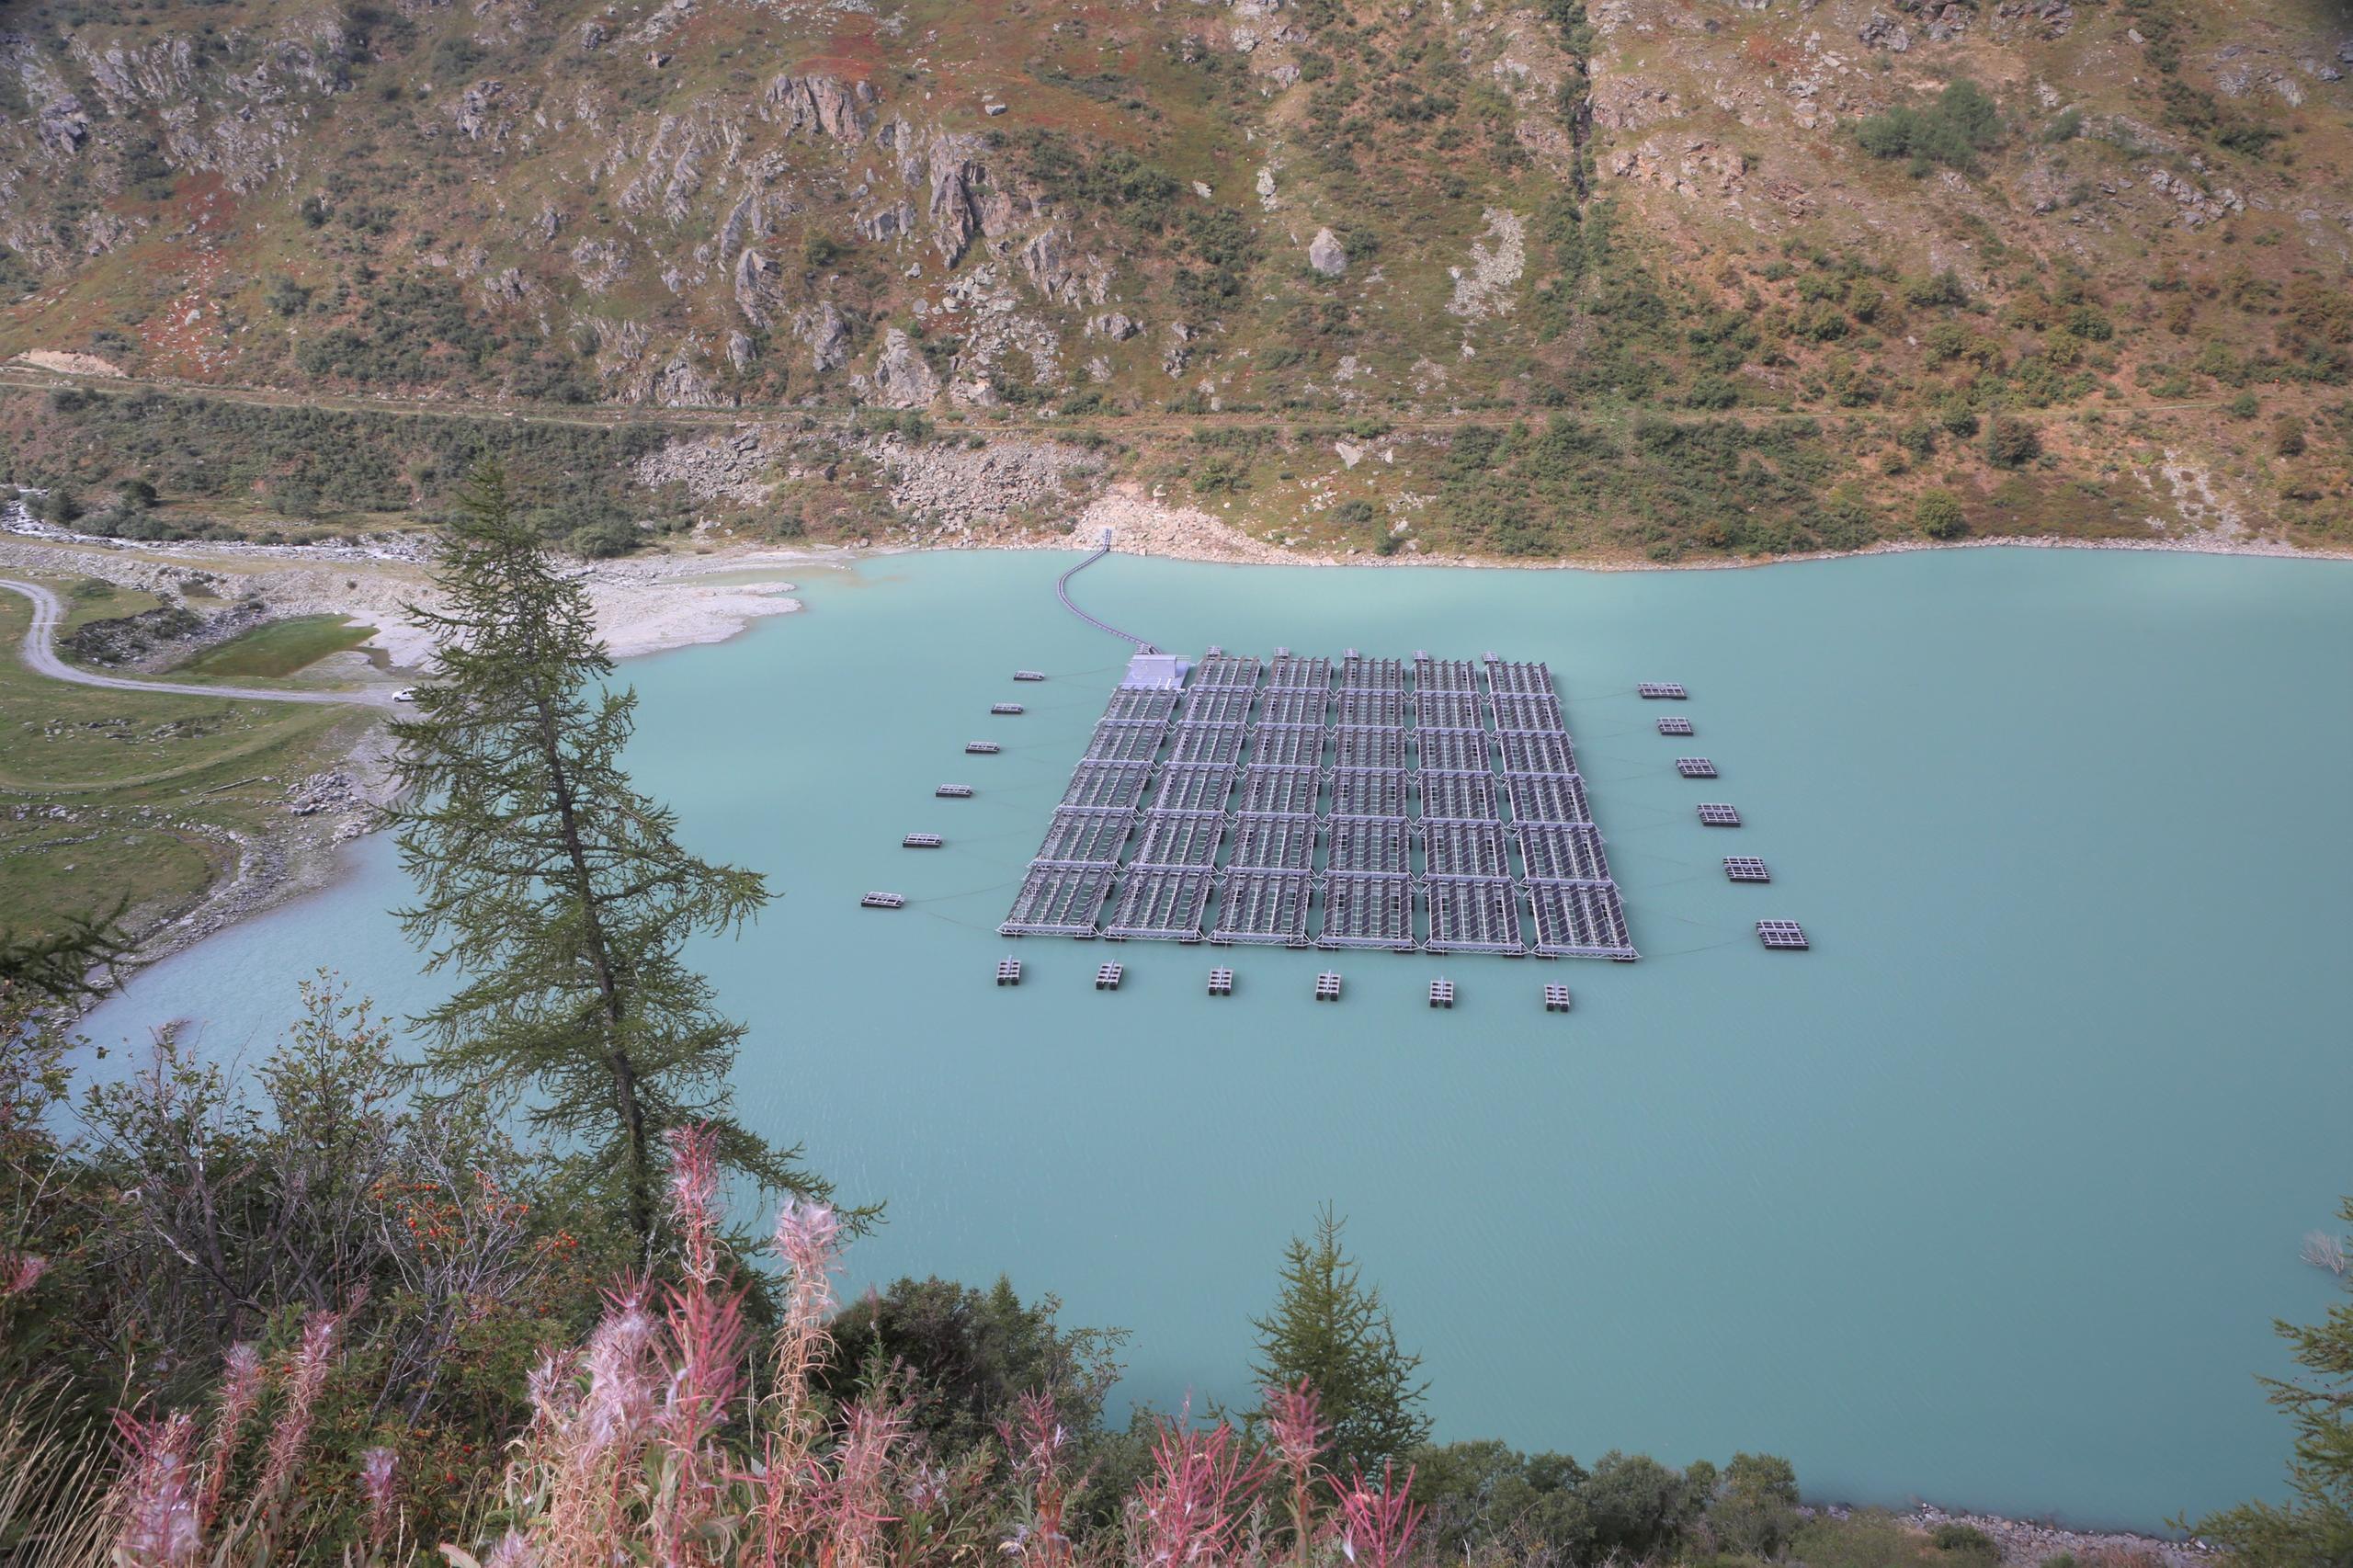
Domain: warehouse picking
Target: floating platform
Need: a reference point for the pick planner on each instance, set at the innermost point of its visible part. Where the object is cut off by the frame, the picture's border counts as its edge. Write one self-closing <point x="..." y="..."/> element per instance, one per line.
<point x="981" y="748"/>
<point x="1445" y="675"/>
<point x="1109" y="786"/>
<point x="1460" y="797"/>
<point x="1450" y="711"/>
<point x="1787" y="934"/>
<point x="1441" y="993"/>
<point x="1715" y="813"/>
<point x="1220" y="983"/>
<point x="1218" y="705"/>
<point x="1369" y="792"/>
<point x="922" y="841"/>
<point x="1370" y="847"/>
<point x="1179" y="841"/>
<point x="1657" y="689"/>
<point x="1536" y="751"/>
<point x="1224" y="669"/>
<point x="1208" y="746"/>
<point x="1695" y="767"/>
<point x="1548" y="797"/>
<point x="954" y="792"/>
<point x="1125" y="740"/>
<point x="1058" y="902"/>
<point x="1355" y="745"/>
<point x="1675" y="727"/>
<point x="1368" y="912"/>
<point x="1295" y="706"/>
<point x="1193" y="788"/>
<point x="1283" y="791"/>
<point x="1521" y="711"/>
<point x="1140" y="703"/>
<point x="1451" y="751"/>
<point x="1008" y="972"/>
<point x="1465" y="848"/>
<point x="1473" y="915"/>
<point x="1080" y="836"/>
<point x="1745" y="869"/>
<point x="1507" y="678"/>
<point x="1579" y="920"/>
<point x="1381" y="709"/>
<point x="1263" y="842"/>
<point x="1562" y="852"/>
<point x="1028" y="674"/>
<point x="1362" y="796"/>
<point x="1107" y="976"/>
<point x="1006" y="710"/>
<point x="1264" y="908"/>
<point x="1159" y="905"/>
<point x="884" y="900"/>
<point x="1556" y="998"/>
<point x="1286" y="673"/>
<point x="1327" y="987"/>
<point x="1288" y="745"/>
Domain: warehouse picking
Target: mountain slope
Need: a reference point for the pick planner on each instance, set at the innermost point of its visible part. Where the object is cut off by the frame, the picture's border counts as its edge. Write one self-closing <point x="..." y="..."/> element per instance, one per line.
<point x="2029" y="257"/>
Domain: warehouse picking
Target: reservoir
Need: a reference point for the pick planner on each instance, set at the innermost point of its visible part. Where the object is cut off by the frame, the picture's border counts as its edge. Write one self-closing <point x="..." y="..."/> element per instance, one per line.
<point x="1990" y="1196"/>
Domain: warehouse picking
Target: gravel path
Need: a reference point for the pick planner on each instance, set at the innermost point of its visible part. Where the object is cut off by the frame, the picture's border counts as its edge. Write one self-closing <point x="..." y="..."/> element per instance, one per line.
<point x="40" y="655"/>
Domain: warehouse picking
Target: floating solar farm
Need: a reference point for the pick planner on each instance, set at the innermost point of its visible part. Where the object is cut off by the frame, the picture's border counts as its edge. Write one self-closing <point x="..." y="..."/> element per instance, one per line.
<point x="1429" y="805"/>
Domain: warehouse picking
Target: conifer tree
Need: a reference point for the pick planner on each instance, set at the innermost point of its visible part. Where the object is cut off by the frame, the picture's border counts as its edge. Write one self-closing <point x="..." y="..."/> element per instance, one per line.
<point x="2314" y="1528"/>
<point x="1333" y="1330"/>
<point x="550" y="884"/>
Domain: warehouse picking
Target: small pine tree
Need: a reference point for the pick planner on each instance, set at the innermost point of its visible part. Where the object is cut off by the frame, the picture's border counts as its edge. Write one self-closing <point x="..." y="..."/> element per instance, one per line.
<point x="2315" y="1524"/>
<point x="1333" y="1330"/>
<point x="555" y="888"/>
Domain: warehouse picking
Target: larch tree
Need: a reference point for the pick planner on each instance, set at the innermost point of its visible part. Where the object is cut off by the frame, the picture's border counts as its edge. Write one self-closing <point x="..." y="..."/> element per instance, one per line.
<point x="1333" y="1330"/>
<point x="556" y="889"/>
<point x="2314" y="1528"/>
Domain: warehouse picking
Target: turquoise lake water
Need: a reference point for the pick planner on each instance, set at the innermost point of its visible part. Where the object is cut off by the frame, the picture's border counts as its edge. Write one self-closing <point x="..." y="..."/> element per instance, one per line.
<point x="1990" y="1197"/>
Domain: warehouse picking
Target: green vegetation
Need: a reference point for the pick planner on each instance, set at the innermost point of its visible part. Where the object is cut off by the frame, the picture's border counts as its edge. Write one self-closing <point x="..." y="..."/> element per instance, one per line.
<point x="555" y="889"/>
<point x="279" y="648"/>
<point x="1331" y="1332"/>
<point x="2315" y="1524"/>
<point x="1962" y="123"/>
<point x="130" y="798"/>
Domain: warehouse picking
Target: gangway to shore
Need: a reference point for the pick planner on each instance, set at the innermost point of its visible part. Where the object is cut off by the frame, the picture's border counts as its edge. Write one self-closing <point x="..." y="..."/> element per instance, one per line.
<point x="1061" y="592"/>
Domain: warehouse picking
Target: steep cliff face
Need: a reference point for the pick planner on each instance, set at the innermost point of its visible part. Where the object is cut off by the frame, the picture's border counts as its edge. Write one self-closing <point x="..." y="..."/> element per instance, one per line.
<point x="1195" y="205"/>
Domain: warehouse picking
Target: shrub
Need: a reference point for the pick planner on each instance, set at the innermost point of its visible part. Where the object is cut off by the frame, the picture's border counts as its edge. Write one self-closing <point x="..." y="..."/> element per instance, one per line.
<point x="2247" y="406"/>
<point x="2011" y="442"/>
<point x="1962" y="122"/>
<point x="1960" y="419"/>
<point x="604" y="539"/>
<point x="1356" y="514"/>
<point x="1966" y="1541"/>
<point x="2288" y="436"/>
<point x="1937" y="514"/>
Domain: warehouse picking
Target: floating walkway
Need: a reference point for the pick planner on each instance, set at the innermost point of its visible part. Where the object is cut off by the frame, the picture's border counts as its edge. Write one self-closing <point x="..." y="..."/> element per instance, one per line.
<point x="1061" y="592"/>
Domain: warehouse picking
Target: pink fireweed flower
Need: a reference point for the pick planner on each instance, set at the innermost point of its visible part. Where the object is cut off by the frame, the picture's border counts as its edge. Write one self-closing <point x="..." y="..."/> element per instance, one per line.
<point x="621" y="1374"/>
<point x="376" y="1468"/>
<point x="155" y="1500"/>
<point x="307" y="1375"/>
<point x="241" y="1385"/>
<point x="1036" y="1442"/>
<point x="808" y="1236"/>
<point x="1189" y="1511"/>
<point x="512" y="1550"/>
<point x="1295" y="1421"/>
<point x="853" y="1505"/>
<point x="19" y="1272"/>
<point x="694" y="1197"/>
<point x="1376" y="1524"/>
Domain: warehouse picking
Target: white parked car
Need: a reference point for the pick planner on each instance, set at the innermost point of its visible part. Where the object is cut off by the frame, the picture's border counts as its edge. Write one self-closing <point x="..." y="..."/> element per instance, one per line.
<point x="405" y="693"/>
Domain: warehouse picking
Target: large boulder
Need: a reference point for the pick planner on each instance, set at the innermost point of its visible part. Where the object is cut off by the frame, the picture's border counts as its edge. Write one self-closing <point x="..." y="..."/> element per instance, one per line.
<point x="902" y="378"/>
<point x="1326" y="255"/>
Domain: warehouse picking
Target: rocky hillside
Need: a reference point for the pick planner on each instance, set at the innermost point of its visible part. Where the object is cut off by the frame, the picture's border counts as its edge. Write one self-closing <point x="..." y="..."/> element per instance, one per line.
<point x="1595" y="276"/>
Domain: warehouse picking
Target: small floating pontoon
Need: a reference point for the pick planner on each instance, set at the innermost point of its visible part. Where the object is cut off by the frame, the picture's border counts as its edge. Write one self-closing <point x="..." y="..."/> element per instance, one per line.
<point x="884" y="900"/>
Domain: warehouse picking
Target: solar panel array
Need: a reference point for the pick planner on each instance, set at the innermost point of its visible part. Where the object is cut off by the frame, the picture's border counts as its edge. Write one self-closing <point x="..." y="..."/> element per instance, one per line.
<point x="1358" y="802"/>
